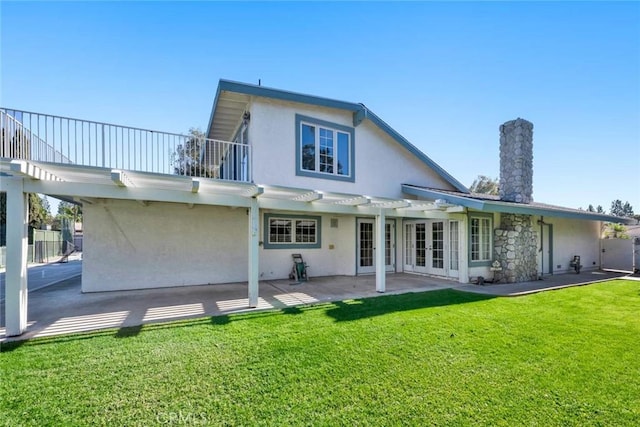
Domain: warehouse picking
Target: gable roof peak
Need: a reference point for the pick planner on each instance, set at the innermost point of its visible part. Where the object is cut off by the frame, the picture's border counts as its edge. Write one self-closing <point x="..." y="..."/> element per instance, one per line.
<point x="359" y="110"/>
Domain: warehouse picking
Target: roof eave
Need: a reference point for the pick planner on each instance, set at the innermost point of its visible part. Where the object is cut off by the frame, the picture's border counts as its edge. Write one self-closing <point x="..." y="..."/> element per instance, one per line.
<point x="360" y="112"/>
<point x="213" y="110"/>
<point x="415" y="151"/>
<point x="505" y="207"/>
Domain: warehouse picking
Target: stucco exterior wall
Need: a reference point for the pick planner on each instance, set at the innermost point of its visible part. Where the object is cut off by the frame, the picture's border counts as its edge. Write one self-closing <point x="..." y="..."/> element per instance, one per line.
<point x="381" y="164"/>
<point x="575" y="237"/>
<point x="325" y="261"/>
<point x="130" y="246"/>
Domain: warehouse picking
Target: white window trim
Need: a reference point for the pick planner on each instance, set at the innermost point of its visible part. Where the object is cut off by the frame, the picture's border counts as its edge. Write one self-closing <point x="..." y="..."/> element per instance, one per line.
<point x="482" y="239"/>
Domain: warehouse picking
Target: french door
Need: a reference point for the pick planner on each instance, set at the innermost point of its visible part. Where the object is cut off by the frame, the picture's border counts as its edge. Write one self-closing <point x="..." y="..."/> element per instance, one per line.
<point x="431" y="247"/>
<point x="366" y="247"/>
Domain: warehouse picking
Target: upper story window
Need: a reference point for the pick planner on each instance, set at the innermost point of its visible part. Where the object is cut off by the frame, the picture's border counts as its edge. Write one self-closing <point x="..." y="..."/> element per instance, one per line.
<point x="324" y="149"/>
<point x="480" y="234"/>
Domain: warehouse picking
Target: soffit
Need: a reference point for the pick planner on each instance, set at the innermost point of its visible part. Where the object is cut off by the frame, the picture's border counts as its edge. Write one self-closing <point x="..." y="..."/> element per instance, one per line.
<point x="228" y="112"/>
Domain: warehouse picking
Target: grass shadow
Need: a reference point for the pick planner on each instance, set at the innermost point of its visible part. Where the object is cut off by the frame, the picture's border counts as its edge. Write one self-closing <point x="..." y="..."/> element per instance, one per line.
<point x="223" y="319"/>
<point x="128" y="331"/>
<point x="378" y="306"/>
<point x="134" y="331"/>
<point x="341" y="311"/>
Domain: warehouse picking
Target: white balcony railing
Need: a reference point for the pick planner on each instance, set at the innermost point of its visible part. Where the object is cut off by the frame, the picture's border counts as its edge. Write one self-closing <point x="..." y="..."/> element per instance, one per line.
<point x="46" y="138"/>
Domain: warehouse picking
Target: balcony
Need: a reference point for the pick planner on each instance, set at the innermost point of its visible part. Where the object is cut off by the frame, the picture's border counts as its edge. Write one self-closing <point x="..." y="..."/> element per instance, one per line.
<point x="62" y="140"/>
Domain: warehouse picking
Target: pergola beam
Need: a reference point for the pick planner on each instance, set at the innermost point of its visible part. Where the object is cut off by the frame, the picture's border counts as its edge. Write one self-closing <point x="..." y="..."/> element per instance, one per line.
<point x="195" y="185"/>
<point x="311" y="196"/>
<point x="103" y="191"/>
<point x="121" y="179"/>
<point x="254" y="191"/>
<point x="355" y="201"/>
<point x="27" y="169"/>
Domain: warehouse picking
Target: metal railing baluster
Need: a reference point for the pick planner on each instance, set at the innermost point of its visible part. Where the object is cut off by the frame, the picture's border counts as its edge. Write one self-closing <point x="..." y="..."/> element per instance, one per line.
<point x="42" y="137"/>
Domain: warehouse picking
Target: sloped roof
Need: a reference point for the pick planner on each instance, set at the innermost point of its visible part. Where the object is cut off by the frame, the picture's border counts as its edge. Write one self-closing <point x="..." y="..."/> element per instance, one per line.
<point x="233" y="97"/>
<point x="492" y="203"/>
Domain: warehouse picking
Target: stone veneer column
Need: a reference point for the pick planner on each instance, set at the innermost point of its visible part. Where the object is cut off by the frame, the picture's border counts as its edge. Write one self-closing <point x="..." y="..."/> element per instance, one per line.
<point x="516" y="161"/>
<point x="515" y="247"/>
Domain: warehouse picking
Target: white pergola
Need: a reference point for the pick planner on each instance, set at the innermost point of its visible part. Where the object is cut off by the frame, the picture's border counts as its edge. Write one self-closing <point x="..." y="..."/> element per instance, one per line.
<point x="85" y="184"/>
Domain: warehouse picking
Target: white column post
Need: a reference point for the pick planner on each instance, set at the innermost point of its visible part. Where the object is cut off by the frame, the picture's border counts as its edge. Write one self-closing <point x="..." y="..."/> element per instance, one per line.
<point x="254" y="262"/>
<point x="380" y="252"/>
<point x="17" y="244"/>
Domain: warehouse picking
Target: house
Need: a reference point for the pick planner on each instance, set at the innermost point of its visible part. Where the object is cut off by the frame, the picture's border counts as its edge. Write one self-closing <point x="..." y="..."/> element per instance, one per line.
<point x="278" y="173"/>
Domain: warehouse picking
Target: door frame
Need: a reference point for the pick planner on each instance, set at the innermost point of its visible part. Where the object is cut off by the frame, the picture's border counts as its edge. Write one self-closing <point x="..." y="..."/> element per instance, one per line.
<point x="371" y="269"/>
<point x="546" y="246"/>
<point x="431" y="269"/>
<point x="410" y="230"/>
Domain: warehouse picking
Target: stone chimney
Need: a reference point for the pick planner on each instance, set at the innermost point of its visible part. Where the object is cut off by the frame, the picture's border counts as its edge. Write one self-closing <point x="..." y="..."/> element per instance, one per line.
<point x="515" y="241"/>
<point x="516" y="161"/>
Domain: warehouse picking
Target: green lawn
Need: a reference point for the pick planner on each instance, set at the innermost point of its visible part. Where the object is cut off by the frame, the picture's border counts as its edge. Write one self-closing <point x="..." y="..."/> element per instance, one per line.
<point x="569" y="357"/>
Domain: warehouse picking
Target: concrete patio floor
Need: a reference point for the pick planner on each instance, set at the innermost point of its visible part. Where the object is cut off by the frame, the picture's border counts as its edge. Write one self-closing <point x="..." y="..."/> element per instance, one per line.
<point x="63" y="309"/>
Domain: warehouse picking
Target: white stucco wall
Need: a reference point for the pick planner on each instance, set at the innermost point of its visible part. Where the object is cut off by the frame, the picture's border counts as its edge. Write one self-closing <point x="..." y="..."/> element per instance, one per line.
<point x="277" y="263"/>
<point x="575" y="237"/>
<point x="130" y="246"/>
<point x="381" y="164"/>
<point x="570" y="237"/>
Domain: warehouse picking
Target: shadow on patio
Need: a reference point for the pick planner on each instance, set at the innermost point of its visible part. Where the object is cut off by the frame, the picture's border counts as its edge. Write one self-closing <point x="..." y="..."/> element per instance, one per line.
<point x="62" y="309"/>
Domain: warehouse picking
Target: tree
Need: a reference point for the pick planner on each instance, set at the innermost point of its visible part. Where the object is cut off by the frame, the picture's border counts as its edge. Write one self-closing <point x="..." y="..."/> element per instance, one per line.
<point x="67" y="213"/>
<point x="620" y="209"/>
<point x="616" y="231"/>
<point x="69" y="210"/>
<point x="38" y="210"/>
<point x="598" y="209"/>
<point x="485" y="185"/>
<point x="38" y="214"/>
<point x="187" y="159"/>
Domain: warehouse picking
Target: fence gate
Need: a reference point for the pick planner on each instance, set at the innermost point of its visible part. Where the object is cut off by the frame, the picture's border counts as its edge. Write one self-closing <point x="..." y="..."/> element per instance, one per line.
<point x="617" y="254"/>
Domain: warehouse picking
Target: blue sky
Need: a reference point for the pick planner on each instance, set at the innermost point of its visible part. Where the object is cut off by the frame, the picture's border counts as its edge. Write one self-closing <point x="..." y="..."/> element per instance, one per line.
<point x="444" y="75"/>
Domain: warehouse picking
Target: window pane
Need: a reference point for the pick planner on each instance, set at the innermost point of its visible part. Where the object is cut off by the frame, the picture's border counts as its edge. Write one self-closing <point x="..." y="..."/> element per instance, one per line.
<point x="387" y="244"/>
<point x="326" y="150"/>
<point x="421" y="245"/>
<point x="305" y="231"/>
<point x="475" y="239"/>
<point x="486" y="239"/>
<point x="279" y="230"/>
<point x="308" y="147"/>
<point x="343" y="154"/>
<point x="408" y="244"/>
<point x="437" y="244"/>
<point x="366" y="244"/>
<point x="453" y="245"/>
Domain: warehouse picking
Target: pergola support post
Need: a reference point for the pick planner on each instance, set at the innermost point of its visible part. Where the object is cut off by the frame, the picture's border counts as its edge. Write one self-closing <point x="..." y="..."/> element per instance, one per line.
<point x="254" y="261"/>
<point x="16" y="292"/>
<point x="380" y="252"/>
